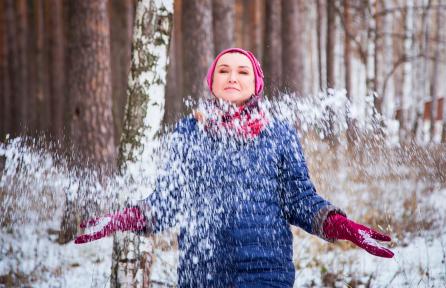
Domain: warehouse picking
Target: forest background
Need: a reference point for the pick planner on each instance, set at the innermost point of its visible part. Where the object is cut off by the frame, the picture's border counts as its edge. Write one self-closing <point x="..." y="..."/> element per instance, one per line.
<point x="395" y="49"/>
<point x="64" y="69"/>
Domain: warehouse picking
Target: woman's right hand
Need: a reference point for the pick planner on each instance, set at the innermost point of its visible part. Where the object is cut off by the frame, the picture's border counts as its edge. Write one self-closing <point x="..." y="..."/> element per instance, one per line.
<point x="130" y="219"/>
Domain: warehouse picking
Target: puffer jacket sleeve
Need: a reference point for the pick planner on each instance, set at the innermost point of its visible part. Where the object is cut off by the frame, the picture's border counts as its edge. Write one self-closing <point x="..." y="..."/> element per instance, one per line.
<point x="163" y="205"/>
<point x="301" y="204"/>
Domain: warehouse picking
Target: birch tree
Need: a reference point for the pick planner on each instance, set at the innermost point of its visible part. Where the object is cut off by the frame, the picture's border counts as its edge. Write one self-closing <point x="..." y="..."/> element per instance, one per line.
<point x="131" y="259"/>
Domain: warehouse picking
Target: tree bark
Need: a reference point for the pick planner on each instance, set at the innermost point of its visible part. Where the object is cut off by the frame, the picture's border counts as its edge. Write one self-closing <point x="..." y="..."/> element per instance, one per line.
<point x="331" y="43"/>
<point x="351" y="124"/>
<point x="131" y="260"/>
<point x="272" y="57"/>
<point x="433" y="88"/>
<point x="4" y="75"/>
<point x="56" y="59"/>
<point x="121" y="28"/>
<point x="292" y="46"/>
<point x="406" y="105"/>
<point x="174" y="89"/>
<point x="319" y="26"/>
<point x="90" y="98"/>
<point x="16" y="17"/>
<point x="223" y="23"/>
<point x="198" y="46"/>
<point x="42" y="111"/>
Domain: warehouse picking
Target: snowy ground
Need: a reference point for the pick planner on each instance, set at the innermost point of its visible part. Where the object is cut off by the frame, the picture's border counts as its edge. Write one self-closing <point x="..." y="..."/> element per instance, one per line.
<point x="36" y="257"/>
<point x="407" y="201"/>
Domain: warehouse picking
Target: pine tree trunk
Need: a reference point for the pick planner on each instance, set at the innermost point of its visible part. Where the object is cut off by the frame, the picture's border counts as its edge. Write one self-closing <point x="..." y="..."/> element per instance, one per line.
<point x="56" y="58"/>
<point x="89" y="91"/>
<point x="406" y="107"/>
<point x="198" y="46"/>
<point x="4" y="75"/>
<point x="223" y="23"/>
<point x="174" y="89"/>
<point x="131" y="260"/>
<point x="273" y="46"/>
<point x="351" y="129"/>
<point x="433" y="89"/>
<point x="16" y="17"/>
<point x="42" y="110"/>
<point x="292" y="46"/>
<point x="319" y="26"/>
<point x="121" y="30"/>
<point x="331" y="42"/>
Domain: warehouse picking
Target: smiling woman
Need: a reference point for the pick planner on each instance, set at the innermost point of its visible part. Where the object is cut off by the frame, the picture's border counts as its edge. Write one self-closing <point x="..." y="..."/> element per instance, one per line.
<point x="234" y="181"/>
<point x="233" y="78"/>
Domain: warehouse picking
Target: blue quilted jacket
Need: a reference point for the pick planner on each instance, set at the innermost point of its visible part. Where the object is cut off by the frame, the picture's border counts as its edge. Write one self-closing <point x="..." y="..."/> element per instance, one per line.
<point x="234" y="201"/>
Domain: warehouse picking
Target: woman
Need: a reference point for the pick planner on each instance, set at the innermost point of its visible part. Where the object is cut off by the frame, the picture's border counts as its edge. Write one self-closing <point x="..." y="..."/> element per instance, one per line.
<point x="235" y="181"/>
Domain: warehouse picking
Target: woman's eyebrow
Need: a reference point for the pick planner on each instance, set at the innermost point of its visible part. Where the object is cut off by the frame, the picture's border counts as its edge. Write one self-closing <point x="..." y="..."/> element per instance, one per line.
<point x="225" y="65"/>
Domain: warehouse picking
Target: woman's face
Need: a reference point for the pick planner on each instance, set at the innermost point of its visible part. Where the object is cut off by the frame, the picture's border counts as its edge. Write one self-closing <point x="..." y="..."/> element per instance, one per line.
<point x="233" y="78"/>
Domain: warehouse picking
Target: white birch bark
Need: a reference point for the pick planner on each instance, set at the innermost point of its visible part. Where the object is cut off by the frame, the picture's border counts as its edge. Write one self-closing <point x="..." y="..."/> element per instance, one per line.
<point x="144" y="112"/>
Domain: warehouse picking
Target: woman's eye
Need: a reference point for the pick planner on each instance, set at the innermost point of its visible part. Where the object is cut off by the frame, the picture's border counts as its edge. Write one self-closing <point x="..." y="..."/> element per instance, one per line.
<point x="223" y="71"/>
<point x="244" y="72"/>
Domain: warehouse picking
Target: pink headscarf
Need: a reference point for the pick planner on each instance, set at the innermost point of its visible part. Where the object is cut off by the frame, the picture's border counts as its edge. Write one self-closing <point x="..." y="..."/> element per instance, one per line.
<point x="258" y="73"/>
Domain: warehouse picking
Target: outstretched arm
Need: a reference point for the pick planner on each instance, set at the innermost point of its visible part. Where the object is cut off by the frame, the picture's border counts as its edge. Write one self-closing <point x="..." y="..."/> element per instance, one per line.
<point x="305" y="208"/>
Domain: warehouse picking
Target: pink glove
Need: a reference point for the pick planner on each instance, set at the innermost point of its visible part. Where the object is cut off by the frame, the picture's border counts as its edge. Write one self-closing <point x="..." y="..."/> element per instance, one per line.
<point x="339" y="227"/>
<point x="131" y="219"/>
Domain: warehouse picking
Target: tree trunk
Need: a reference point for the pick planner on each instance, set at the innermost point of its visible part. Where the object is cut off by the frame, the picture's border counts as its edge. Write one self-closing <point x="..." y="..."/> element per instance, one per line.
<point x="223" y="24"/>
<point x="406" y="105"/>
<point x="198" y="46"/>
<point x="293" y="46"/>
<point x="174" y="89"/>
<point x="433" y="89"/>
<point x="16" y="17"/>
<point x="331" y="43"/>
<point x="56" y="58"/>
<point x="121" y="28"/>
<point x="273" y="46"/>
<point x="90" y="95"/>
<point x="42" y="110"/>
<point x="4" y="75"/>
<point x="143" y="116"/>
<point x="319" y="26"/>
<point x="351" y="129"/>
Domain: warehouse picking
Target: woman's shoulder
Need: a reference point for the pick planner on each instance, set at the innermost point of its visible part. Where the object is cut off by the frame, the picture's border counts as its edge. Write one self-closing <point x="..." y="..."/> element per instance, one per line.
<point x="280" y="127"/>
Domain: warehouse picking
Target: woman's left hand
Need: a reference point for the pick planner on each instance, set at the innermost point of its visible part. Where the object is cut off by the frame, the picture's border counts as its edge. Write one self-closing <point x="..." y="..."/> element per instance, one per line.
<point x="339" y="227"/>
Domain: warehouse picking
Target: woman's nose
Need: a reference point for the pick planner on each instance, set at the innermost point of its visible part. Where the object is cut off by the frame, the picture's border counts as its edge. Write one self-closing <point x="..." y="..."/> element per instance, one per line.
<point x="232" y="77"/>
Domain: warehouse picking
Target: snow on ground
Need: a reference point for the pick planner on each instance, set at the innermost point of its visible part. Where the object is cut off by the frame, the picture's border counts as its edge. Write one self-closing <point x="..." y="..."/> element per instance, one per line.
<point x="30" y="250"/>
<point x="420" y="264"/>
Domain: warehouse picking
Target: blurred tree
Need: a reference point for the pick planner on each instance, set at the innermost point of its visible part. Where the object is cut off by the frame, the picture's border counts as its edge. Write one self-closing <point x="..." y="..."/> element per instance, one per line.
<point x="272" y="57"/>
<point x="121" y="28"/>
<point x="89" y="92"/>
<point x="331" y="43"/>
<point x="293" y="60"/>
<point x="40" y="117"/>
<point x="223" y="24"/>
<point x="174" y="89"/>
<point x="198" y="46"/>
<point x="434" y="75"/>
<point x="55" y="37"/>
<point x="5" y="92"/>
<point x="320" y="16"/>
<point x="17" y="38"/>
